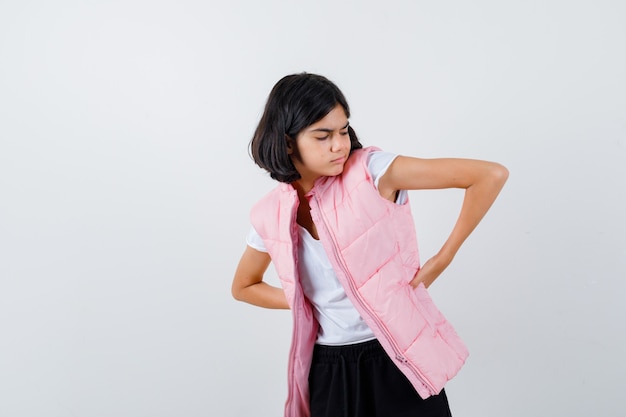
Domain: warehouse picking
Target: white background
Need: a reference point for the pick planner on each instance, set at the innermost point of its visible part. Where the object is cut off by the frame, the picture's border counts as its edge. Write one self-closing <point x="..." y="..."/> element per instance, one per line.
<point x="125" y="186"/>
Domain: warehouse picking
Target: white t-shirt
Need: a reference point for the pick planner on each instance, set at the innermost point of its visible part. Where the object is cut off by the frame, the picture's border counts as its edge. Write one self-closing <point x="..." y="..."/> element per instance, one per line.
<point x="340" y="323"/>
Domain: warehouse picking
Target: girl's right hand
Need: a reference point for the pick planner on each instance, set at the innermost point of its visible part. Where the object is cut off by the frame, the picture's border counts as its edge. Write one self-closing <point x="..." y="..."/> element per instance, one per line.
<point x="431" y="270"/>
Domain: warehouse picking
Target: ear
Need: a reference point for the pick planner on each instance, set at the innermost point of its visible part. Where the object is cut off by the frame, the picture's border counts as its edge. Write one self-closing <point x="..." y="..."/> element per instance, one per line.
<point x="290" y="145"/>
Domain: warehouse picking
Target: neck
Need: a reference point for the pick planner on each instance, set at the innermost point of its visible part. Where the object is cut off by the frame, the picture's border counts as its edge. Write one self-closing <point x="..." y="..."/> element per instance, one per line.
<point x="302" y="187"/>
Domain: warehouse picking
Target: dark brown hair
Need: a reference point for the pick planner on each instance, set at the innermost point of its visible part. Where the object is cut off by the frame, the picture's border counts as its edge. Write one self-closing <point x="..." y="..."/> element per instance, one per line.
<point x="296" y="102"/>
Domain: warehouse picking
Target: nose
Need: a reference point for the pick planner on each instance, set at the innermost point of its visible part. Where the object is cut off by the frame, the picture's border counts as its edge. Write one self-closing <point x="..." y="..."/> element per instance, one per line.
<point x="339" y="142"/>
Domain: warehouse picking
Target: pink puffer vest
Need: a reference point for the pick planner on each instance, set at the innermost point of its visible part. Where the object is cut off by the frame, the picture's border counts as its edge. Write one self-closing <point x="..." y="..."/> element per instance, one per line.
<point x="372" y="246"/>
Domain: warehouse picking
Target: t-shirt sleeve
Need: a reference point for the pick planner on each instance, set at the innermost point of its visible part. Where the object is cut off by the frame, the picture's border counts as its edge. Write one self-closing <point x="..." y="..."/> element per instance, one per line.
<point x="254" y="240"/>
<point x="377" y="163"/>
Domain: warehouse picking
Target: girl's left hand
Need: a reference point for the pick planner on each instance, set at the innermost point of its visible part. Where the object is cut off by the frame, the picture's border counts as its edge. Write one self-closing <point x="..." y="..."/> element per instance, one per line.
<point x="429" y="272"/>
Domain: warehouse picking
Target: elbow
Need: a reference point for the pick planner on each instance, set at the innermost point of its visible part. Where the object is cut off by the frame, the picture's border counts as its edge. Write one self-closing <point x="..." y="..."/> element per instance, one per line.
<point x="236" y="292"/>
<point x="499" y="174"/>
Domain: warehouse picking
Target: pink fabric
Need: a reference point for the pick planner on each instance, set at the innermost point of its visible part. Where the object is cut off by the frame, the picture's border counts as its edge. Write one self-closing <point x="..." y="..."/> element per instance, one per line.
<point x="372" y="245"/>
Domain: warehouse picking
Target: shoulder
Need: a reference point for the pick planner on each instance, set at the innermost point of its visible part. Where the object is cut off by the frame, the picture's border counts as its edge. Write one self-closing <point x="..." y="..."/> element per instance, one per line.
<point x="360" y="155"/>
<point x="266" y="202"/>
<point x="359" y="158"/>
<point x="268" y="207"/>
<point x="375" y="160"/>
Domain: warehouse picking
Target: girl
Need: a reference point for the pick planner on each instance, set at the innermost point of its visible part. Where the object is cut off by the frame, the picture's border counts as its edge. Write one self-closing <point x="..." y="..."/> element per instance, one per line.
<point x="367" y="339"/>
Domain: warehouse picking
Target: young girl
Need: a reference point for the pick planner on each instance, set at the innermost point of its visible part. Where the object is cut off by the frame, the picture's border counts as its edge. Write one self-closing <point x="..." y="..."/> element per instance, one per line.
<point x="367" y="339"/>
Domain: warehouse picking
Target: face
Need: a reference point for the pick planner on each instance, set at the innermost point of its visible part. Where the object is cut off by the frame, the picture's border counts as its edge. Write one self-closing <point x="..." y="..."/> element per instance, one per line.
<point x="322" y="148"/>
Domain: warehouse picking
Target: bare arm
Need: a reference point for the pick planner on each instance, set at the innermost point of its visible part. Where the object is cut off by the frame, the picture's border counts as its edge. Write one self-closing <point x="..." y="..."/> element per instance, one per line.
<point x="481" y="180"/>
<point x="248" y="285"/>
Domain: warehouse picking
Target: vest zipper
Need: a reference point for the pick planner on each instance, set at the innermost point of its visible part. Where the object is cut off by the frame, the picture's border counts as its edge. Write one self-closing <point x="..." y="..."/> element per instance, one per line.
<point x="339" y="259"/>
<point x="290" y="404"/>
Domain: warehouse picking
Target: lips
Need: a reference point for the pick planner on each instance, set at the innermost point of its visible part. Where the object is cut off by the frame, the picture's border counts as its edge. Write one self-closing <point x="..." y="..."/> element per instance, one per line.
<point x="340" y="160"/>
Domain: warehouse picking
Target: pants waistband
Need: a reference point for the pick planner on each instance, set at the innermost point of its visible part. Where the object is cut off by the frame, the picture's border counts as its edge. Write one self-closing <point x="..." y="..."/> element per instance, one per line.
<point x="348" y="353"/>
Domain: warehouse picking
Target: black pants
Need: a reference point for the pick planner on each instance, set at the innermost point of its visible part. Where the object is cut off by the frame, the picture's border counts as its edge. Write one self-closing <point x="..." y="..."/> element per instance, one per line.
<point x="361" y="381"/>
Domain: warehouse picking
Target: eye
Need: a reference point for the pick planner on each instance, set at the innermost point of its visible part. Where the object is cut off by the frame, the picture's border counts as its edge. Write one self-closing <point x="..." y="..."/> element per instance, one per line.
<point x="344" y="133"/>
<point x="323" y="137"/>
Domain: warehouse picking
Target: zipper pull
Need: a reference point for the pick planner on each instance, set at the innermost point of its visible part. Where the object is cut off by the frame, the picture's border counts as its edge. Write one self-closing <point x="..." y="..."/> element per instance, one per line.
<point x="401" y="358"/>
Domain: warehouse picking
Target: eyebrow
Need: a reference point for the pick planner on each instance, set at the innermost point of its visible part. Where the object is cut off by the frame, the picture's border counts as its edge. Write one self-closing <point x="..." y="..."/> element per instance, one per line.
<point x="324" y="129"/>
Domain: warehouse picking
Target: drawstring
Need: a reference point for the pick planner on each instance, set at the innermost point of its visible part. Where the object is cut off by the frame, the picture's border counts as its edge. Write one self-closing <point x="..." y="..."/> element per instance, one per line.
<point x="344" y="377"/>
<point x="358" y="382"/>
